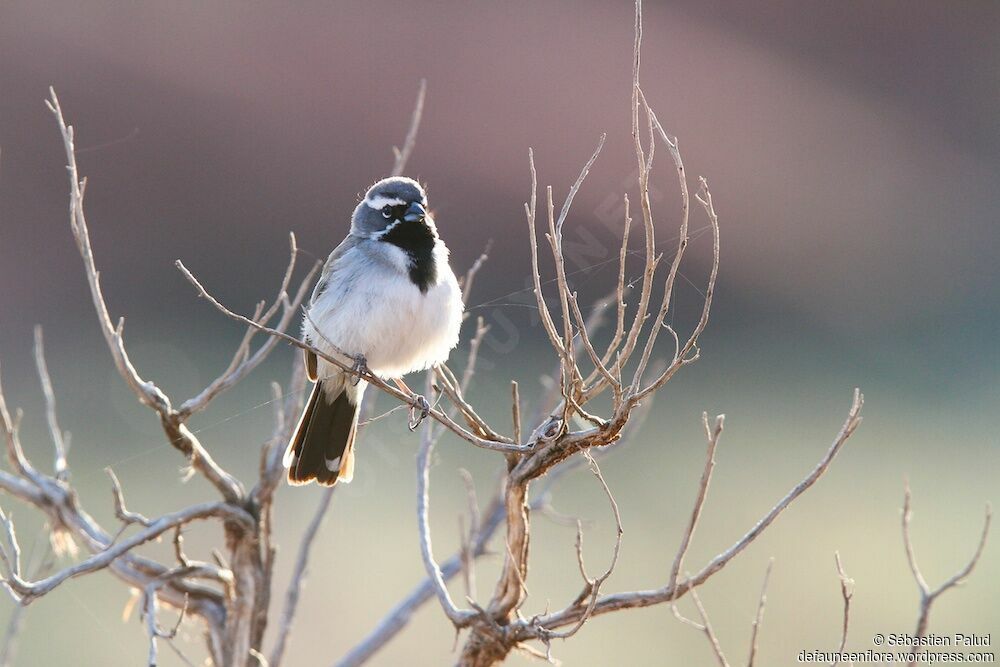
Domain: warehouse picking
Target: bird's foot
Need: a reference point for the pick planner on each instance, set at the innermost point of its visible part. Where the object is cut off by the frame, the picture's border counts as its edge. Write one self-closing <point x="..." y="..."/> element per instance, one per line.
<point x="360" y="366"/>
<point x="418" y="412"/>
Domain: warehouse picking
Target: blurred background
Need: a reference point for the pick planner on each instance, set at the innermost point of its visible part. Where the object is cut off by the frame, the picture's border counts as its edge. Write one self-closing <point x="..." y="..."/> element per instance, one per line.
<point x="853" y="150"/>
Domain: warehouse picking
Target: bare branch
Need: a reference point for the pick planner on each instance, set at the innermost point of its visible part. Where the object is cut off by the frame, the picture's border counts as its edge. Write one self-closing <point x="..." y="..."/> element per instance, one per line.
<point x="684" y="356"/>
<point x="59" y="439"/>
<point x="530" y="210"/>
<point x="570" y="371"/>
<point x="147" y="392"/>
<point x="468" y="537"/>
<point x="15" y="453"/>
<point x="42" y="567"/>
<point x="470" y="276"/>
<point x="27" y="591"/>
<point x="853" y="420"/>
<point x="243" y="363"/>
<point x="620" y="308"/>
<point x="397" y="618"/>
<point x="846" y="592"/>
<point x="927" y="595"/>
<point x="11" y="553"/>
<point x="126" y="517"/>
<point x="455" y="390"/>
<point x="458" y="616"/>
<point x="288" y="407"/>
<point x="651" y="260"/>
<point x="470" y="366"/>
<point x="451" y="387"/>
<point x="645" y="598"/>
<point x="595" y="358"/>
<point x="150" y="610"/>
<point x="592" y="587"/>
<point x="403" y="156"/>
<point x="67" y="517"/>
<point x="712" y="435"/>
<point x="681" y="246"/>
<point x="759" y="618"/>
<point x="705" y="626"/>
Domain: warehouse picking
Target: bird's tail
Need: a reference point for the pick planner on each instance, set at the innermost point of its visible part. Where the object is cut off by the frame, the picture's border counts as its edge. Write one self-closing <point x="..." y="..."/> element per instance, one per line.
<point x="322" y="445"/>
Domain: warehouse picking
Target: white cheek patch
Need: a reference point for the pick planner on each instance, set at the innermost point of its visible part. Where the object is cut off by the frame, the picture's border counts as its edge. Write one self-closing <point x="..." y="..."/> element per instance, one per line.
<point x="377" y="202"/>
<point x="388" y="228"/>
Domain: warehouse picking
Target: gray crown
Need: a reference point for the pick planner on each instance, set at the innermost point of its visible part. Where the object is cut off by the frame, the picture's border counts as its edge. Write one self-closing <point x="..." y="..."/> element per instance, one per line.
<point x="368" y="218"/>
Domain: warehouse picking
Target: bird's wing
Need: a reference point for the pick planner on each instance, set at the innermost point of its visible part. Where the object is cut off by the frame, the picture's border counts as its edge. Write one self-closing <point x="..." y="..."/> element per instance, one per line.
<point x="331" y="266"/>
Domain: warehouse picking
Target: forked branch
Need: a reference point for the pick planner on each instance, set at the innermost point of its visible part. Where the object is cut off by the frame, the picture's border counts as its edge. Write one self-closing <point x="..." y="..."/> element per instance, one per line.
<point x="929" y="596"/>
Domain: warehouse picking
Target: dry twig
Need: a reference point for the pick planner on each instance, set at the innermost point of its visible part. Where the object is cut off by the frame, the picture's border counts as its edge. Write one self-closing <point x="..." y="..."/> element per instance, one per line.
<point x="846" y="592"/>
<point x="759" y="618"/>
<point x="927" y="595"/>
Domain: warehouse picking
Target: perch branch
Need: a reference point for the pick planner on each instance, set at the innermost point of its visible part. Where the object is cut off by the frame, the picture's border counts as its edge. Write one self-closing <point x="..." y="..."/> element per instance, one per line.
<point x="348" y="367"/>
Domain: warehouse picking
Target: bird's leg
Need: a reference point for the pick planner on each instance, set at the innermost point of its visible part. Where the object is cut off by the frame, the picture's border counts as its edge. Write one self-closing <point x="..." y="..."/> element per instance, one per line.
<point x="360" y="366"/>
<point x="419" y="403"/>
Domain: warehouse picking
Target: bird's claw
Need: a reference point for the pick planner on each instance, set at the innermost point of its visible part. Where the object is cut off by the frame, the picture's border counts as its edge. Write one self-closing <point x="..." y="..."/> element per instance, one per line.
<point x="419" y="404"/>
<point x="360" y="366"/>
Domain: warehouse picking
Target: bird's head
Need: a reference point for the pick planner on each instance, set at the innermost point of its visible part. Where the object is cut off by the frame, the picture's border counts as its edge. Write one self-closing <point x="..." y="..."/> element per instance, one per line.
<point x="388" y="204"/>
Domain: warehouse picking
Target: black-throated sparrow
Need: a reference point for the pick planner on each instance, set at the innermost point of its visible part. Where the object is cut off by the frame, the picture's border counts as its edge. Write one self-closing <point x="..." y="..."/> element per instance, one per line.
<point x="386" y="294"/>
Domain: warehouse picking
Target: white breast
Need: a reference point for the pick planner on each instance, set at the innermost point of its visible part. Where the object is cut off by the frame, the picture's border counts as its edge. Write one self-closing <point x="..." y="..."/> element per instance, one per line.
<point x="371" y="307"/>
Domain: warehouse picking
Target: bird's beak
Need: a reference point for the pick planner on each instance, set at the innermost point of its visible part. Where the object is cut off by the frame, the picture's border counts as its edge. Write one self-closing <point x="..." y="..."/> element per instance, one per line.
<point x="415" y="213"/>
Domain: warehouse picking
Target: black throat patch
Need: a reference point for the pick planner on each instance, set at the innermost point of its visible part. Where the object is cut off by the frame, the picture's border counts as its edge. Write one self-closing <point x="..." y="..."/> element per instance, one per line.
<point x="417" y="240"/>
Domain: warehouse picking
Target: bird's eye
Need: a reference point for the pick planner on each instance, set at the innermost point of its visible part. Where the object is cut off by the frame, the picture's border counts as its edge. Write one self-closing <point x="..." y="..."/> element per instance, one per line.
<point x="387" y="211"/>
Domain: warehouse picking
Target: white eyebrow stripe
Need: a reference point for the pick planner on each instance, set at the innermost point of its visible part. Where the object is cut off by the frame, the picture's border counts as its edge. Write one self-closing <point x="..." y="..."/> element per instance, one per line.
<point x="379" y="201"/>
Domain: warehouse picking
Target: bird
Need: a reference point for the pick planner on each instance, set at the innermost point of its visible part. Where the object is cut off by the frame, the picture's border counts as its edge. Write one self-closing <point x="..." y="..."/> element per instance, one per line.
<point x="387" y="297"/>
